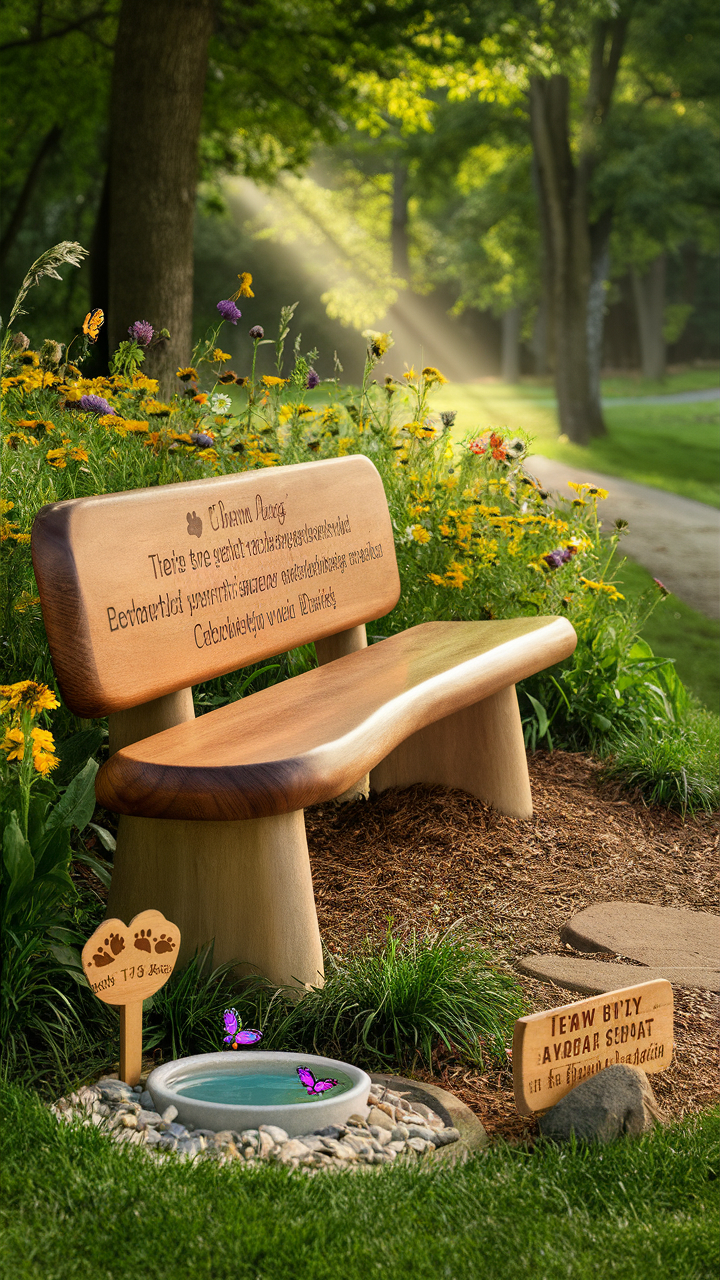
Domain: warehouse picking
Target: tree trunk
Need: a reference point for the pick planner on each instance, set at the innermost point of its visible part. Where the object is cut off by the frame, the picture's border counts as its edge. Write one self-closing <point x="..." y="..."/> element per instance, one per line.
<point x="568" y="250"/>
<point x="564" y="190"/>
<point x="599" y="271"/>
<point x="510" y="350"/>
<point x="649" y="291"/>
<point x="399" y="230"/>
<point x="155" y="111"/>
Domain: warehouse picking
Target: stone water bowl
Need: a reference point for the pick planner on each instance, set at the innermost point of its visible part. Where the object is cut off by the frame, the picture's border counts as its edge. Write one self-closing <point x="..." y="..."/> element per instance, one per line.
<point x="246" y="1088"/>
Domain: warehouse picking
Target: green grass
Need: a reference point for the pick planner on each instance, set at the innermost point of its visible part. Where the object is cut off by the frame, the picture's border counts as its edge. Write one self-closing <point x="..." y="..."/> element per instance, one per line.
<point x="673" y="447"/>
<point x="676" y="631"/>
<point x="72" y="1205"/>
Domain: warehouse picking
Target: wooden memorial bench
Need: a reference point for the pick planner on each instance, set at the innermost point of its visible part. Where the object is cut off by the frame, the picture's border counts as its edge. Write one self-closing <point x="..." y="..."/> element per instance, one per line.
<point x="149" y="592"/>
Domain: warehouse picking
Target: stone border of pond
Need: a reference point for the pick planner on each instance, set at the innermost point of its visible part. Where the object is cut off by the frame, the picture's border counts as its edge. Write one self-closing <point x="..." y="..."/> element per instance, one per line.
<point x="400" y="1125"/>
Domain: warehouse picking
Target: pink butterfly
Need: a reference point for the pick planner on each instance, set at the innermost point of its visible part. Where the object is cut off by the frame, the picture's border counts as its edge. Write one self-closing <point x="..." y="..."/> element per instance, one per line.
<point x="311" y="1084"/>
<point x="236" y="1036"/>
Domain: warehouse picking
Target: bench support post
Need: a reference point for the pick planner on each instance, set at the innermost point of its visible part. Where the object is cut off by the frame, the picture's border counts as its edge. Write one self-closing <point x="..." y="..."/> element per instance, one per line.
<point x="479" y="750"/>
<point x="245" y="884"/>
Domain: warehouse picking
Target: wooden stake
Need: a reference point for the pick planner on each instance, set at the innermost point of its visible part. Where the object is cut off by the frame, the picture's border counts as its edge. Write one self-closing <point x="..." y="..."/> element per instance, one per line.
<point x="124" y="965"/>
<point x="131" y="1042"/>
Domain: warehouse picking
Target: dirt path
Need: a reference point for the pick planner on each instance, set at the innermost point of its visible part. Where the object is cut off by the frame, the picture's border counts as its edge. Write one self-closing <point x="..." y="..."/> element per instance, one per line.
<point x="429" y="857"/>
<point x="676" y="539"/>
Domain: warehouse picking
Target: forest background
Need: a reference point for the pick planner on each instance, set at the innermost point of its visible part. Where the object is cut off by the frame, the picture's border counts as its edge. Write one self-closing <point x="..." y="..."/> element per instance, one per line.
<point x="525" y="188"/>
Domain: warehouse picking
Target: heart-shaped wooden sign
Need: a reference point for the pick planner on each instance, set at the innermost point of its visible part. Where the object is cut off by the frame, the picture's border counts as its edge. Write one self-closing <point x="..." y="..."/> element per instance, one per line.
<point x="125" y="964"/>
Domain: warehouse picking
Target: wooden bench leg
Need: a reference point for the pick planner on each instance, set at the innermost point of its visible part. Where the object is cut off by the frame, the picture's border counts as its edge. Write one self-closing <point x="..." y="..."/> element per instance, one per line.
<point x="479" y="750"/>
<point x="245" y="884"/>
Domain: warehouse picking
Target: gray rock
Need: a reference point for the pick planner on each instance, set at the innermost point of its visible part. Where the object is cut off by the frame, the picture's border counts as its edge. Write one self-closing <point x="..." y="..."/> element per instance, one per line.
<point x="383" y="1136"/>
<point x="177" y="1130"/>
<point x="418" y="1144"/>
<point x="443" y="1137"/>
<point x="293" y="1149"/>
<point x="311" y="1142"/>
<point x="169" y="1114"/>
<point x="379" y="1118"/>
<point x="137" y="1088"/>
<point x="400" y="1133"/>
<point x="148" y="1119"/>
<point x="147" y="1101"/>
<point x="265" y="1143"/>
<point x="617" y="1101"/>
<point x="274" y="1131"/>
<point x="420" y="1131"/>
<point x="330" y="1131"/>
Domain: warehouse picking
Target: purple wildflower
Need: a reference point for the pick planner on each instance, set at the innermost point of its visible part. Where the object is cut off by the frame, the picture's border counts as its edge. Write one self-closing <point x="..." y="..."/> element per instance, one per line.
<point x="561" y="555"/>
<point x="257" y="332"/>
<point x="661" y="587"/>
<point x="95" y="404"/>
<point x="229" y="311"/>
<point x="142" y="332"/>
<point x="313" y="379"/>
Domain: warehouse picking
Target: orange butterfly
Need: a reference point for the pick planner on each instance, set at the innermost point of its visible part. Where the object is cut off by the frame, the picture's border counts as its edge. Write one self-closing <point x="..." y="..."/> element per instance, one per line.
<point x="92" y="322"/>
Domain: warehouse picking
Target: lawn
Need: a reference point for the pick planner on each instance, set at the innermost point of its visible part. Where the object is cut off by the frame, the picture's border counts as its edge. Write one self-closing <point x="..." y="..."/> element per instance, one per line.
<point x="672" y="446"/>
<point x="676" y="631"/>
<point x="72" y="1205"/>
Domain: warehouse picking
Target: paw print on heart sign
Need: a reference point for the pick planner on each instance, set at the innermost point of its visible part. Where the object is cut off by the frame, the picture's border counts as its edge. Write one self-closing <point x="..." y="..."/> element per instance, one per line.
<point x="116" y="943"/>
<point x="126" y="963"/>
<point x="194" y="524"/>
<point x="144" y="942"/>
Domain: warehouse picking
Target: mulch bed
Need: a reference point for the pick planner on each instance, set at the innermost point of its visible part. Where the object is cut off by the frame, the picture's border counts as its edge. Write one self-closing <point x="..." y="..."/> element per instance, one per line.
<point x="427" y="857"/>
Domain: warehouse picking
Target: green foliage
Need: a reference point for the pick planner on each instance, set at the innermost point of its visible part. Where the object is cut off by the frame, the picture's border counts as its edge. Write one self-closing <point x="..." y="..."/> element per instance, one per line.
<point x="390" y="1006"/>
<point x="39" y="938"/>
<point x="394" y="1006"/>
<point x="677" y="770"/>
<point x="72" y="1203"/>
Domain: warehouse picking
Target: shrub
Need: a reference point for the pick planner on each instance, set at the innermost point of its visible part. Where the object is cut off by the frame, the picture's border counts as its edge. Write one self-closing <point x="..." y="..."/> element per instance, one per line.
<point x="677" y="770"/>
<point x="387" y="1006"/>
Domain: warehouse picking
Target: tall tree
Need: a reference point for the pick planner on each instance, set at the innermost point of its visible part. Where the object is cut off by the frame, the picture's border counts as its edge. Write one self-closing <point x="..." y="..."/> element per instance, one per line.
<point x="159" y="73"/>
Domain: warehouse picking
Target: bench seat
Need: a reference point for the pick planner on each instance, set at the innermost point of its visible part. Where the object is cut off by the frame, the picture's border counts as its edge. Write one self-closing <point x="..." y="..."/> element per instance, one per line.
<point x="309" y="739"/>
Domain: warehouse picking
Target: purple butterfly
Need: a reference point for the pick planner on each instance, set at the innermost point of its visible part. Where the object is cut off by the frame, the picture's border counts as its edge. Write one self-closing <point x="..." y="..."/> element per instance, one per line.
<point x="311" y="1084"/>
<point x="236" y="1036"/>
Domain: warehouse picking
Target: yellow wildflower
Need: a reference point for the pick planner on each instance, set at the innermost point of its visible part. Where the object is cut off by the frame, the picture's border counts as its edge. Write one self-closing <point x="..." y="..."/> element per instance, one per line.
<point x="27" y="695"/>
<point x="56" y="458"/>
<point x="269" y="380"/>
<point x="433" y="377"/>
<point x="244" y="291"/>
<point x="25" y="601"/>
<point x="378" y="343"/>
<point x="420" y="533"/>
<point x="156" y="408"/>
<point x="456" y="576"/>
<point x="142" y="383"/>
<point x="185" y="374"/>
<point x="13" y="744"/>
<point x="410" y="373"/>
<point x="606" y="588"/>
<point x="220" y="356"/>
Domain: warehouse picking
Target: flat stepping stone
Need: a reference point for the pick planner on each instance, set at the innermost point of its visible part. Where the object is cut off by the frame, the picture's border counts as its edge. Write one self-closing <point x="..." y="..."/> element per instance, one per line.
<point x="593" y="977"/>
<point x="655" y="936"/>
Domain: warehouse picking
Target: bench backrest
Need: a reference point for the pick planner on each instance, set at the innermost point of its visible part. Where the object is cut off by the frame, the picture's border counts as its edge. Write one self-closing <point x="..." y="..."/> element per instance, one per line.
<point x="150" y="591"/>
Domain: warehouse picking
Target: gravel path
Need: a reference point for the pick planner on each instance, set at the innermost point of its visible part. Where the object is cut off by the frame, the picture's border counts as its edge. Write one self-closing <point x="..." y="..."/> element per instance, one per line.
<point x="676" y="539"/>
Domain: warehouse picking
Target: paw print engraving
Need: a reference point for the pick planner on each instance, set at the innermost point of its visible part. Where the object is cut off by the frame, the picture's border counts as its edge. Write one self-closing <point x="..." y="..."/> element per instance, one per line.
<point x="116" y="943"/>
<point x="142" y="940"/>
<point x="194" y="524"/>
<point x="164" y="944"/>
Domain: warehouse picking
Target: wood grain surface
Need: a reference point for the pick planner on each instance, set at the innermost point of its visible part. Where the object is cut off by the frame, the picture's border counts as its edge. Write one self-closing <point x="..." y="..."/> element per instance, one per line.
<point x="154" y="590"/>
<point x="555" y="1050"/>
<point x="127" y="963"/>
<point x="311" y="738"/>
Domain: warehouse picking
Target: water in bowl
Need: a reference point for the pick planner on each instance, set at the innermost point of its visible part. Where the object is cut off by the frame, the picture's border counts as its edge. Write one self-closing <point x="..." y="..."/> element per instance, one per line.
<point x="248" y="1087"/>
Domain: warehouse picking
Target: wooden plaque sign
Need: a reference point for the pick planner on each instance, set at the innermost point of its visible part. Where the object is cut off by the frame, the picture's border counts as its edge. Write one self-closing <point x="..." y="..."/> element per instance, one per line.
<point x="559" y="1048"/>
<point x="157" y="589"/>
<point x="125" y="964"/>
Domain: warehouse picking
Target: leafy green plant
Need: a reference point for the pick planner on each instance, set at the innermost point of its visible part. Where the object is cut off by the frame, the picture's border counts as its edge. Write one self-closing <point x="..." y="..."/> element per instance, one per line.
<point x="396" y="1004"/>
<point x="676" y="769"/>
<point x="185" y="1016"/>
<point x="39" y="960"/>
